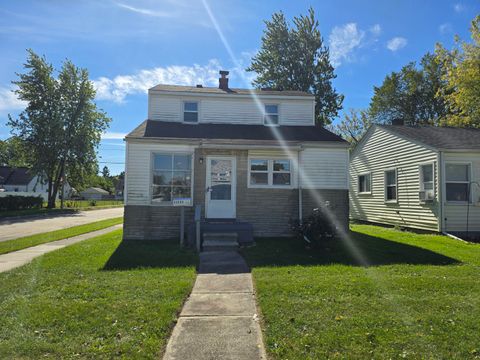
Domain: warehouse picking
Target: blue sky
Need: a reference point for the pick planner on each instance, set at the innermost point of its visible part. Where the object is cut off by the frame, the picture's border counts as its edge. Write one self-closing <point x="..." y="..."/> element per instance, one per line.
<point x="129" y="46"/>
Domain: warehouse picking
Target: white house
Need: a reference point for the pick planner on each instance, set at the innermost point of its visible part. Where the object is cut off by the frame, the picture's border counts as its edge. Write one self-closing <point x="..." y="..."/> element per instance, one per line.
<point x="250" y="158"/>
<point x="418" y="177"/>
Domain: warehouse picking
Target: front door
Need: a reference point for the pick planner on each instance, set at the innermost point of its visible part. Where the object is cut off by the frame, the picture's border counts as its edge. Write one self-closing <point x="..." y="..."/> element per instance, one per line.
<point x="220" y="194"/>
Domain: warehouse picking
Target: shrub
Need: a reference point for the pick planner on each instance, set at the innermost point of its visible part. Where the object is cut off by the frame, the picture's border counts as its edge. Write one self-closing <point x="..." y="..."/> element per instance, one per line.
<point x="316" y="229"/>
<point x="93" y="203"/>
<point x="17" y="202"/>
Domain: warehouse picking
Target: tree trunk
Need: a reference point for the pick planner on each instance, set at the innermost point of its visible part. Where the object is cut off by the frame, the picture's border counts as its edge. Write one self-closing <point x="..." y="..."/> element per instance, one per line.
<point x="49" y="199"/>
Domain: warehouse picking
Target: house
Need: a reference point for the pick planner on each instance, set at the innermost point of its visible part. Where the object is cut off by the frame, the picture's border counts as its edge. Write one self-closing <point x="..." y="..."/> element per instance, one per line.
<point x="94" y="193"/>
<point x="418" y="177"/>
<point x="252" y="159"/>
<point x="20" y="180"/>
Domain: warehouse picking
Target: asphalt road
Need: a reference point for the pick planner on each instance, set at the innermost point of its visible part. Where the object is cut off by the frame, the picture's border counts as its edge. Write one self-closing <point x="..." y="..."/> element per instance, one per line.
<point x="29" y="225"/>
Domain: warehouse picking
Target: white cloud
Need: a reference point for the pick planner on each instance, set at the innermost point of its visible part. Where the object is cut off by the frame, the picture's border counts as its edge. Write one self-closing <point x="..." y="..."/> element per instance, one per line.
<point x="343" y="40"/>
<point x="376" y="29"/>
<point x="445" y="28"/>
<point x="396" y="43"/>
<point x="9" y="101"/>
<point x="458" y="7"/>
<point x="144" y="11"/>
<point x="111" y="135"/>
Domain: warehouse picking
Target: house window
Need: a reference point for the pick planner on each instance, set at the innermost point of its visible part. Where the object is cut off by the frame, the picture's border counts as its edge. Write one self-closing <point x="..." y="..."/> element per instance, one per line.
<point x="271" y="115"/>
<point x="364" y="184"/>
<point x="391" y="185"/>
<point x="172" y="177"/>
<point x="270" y="173"/>
<point x="190" y="112"/>
<point x="457" y="181"/>
<point x="426" y="180"/>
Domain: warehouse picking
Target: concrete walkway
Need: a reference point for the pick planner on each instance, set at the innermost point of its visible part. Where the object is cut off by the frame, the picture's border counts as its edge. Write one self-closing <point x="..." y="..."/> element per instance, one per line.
<point x="16" y="227"/>
<point x="21" y="257"/>
<point x="219" y="319"/>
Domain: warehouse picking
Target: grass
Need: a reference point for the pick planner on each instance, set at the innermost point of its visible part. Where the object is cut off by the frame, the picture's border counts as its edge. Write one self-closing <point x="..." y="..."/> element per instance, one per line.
<point x="98" y="299"/>
<point x="419" y="298"/>
<point x="37" y="239"/>
<point x="69" y="206"/>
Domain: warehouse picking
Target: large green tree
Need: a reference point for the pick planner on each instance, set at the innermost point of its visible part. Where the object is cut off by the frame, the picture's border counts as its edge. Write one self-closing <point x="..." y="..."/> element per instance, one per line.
<point x="353" y="126"/>
<point x="295" y="58"/>
<point x="61" y="123"/>
<point x="14" y="152"/>
<point x="462" y="79"/>
<point x="410" y="95"/>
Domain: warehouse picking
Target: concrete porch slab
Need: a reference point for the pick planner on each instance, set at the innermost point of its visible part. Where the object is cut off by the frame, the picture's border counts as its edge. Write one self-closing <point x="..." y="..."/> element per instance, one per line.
<point x="209" y="338"/>
<point x="234" y="304"/>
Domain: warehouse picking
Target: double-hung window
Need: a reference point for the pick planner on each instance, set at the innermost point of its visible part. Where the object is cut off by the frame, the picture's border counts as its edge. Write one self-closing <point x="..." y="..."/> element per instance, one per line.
<point x="270" y="173"/>
<point x="457" y="182"/>
<point x="364" y="184"/>
<point x="172" y="177"/>
<point x="426" y="181"/>
<point x="391" y="185"/>
<point x="270" y="116"/>
<point x="190" y="112"/>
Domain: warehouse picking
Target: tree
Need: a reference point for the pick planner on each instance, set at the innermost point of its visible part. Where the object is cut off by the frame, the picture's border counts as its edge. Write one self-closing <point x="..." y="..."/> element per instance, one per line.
<point x="295" y="58"/>
<point x="106" y="172"/>
<point x="353" y="126"/>
<point x="410" y="94"/>
<point x="61" y="124"/>
<point x="13" y="152"/>
<point x="462" y="78"/>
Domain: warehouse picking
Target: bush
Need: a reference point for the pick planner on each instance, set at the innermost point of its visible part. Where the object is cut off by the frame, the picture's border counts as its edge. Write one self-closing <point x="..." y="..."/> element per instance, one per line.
<point x="316" y="229"/>
<point x="93" y="203"/>
<point x="17" y="202"/>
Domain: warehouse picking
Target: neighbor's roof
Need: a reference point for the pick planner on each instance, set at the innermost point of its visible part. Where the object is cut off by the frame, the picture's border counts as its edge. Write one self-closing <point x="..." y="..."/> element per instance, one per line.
<point x="440" y="138"/>
<point x="15" y="176"/>
<point x="215" y="90"/>
<point x="94" y="190"/>
<point x="176" y="130"/>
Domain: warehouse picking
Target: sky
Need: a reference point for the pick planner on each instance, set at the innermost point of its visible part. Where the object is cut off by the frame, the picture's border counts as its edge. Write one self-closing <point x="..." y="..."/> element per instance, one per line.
<point x="129" y="46"/>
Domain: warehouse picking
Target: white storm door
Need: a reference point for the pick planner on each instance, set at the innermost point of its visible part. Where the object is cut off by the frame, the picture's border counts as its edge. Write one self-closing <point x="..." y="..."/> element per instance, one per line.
<point x="220" y="195"/>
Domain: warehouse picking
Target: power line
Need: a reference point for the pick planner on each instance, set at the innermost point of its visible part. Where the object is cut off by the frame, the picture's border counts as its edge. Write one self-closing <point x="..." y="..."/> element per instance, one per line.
<point x="111" y="162"/>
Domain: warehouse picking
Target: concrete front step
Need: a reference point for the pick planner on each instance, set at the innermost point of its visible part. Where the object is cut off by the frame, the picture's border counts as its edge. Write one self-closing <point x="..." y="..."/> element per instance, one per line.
<point x="220" y="245"/>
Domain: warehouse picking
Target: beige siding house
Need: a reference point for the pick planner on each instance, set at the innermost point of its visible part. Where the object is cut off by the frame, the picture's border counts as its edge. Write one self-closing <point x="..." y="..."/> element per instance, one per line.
<point x="419" y="177"/>
<point x="251" y="160"/>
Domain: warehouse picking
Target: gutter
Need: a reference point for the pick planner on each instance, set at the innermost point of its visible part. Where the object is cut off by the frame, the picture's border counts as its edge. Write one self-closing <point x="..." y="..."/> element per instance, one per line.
<point x="300" y="197"/>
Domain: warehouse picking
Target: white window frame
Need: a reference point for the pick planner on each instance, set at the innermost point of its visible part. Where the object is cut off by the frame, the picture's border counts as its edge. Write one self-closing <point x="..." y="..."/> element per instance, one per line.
<point x="152" y="169"/>
<point x="190" y="111"/>
<point x="390" y="201"/>
<point x="421" y="185"/>
<point x="369" y="174"/>
<point x="470" y="172"/>
<point x="270" y="161"/>
<point x="265" y="114"/>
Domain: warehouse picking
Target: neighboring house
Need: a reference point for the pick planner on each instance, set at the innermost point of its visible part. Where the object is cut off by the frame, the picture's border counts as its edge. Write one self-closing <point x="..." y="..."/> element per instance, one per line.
<point x="94" y="193"/>
<point x="418" y="177"/>
<point x="21" y="180"/>
<point x="119" y="189"/>
<point x="251" y="157"/>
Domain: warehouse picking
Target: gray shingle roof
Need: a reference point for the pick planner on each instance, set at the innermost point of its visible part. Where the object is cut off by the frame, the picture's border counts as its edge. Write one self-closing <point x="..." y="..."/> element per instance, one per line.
<point x="214" y="90"/>
<point x="163" y="129"/>
<point x="448" y="138"/>
<point x="15" y="176"/>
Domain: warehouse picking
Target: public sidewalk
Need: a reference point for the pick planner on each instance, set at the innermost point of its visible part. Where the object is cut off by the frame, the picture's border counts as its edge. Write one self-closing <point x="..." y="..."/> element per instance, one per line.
<point x="219" y="319"/>
<point x="21" y="257"/>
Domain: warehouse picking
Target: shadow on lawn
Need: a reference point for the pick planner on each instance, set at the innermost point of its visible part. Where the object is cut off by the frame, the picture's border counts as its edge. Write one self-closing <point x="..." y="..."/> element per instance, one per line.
<point x="133" y="254"/>
<point x="378" y="251"/>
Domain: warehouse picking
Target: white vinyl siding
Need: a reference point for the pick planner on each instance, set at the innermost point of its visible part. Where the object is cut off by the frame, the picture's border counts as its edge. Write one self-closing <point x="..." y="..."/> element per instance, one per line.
<point x="139" y="169"/>
<point x="234" y="110"/>
<point x="455" y="213"/>
<point x="324" y="168"/>
<point x="381" y="151"/>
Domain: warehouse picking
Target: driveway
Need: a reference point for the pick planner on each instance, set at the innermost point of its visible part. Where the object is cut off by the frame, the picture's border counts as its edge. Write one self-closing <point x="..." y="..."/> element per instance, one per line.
<point x="24" y="226"/>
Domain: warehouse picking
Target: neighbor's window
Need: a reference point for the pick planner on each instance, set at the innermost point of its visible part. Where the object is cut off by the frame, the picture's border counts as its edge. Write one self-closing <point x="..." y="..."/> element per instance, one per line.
<point x="270" y="172"/>
<point x="172" y="177"/>
<point x="271" y="115"/>
<point x="364" y="184"/>
<point x="457" y="180"/>
<point x="391" y="185"/>
<point x="426" y="179"/>
<point x="190" y="112"/>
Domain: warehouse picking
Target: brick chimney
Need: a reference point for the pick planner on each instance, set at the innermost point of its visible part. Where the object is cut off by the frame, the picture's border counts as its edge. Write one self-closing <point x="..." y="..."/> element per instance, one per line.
<point x="223" y="80"/>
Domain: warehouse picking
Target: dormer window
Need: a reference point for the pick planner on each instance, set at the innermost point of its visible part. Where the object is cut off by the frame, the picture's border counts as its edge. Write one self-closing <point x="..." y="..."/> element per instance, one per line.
<point x="190" y="112"/>
<point x="271" y="115"/>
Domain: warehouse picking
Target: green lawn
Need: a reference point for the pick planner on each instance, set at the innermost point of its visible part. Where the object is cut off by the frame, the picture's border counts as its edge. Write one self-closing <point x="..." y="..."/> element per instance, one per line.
<point x="28" y="241"/>
<point x="101" y="298"/>
<point x="419" y="298"/>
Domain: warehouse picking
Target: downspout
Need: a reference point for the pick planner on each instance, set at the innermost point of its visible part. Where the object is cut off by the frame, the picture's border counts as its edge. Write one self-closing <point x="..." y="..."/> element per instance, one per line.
<point x="299" y="180"/>
<point x="441" y="220"/>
